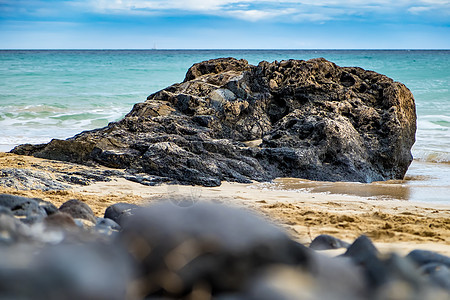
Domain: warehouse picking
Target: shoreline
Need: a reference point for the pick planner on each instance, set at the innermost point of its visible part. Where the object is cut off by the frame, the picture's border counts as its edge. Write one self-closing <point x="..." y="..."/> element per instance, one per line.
<point x="392" y="224"/>
<point x="425" y="182"/>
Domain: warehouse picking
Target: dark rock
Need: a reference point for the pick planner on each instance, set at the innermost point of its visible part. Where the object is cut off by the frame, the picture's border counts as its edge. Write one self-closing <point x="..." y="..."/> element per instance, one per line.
<point x="315" y="120"/>
<point x="149" y="180"/>
<point x="205" y="244"/>
<point x="392" y="277"/>
<point x="60" y="220"/>
<point x="49" y="207"/>
<point x="78" y="210"/>
<point x="423" y="257"/>
<point x="107" y="227"/>
<point x="49" y="178"/>
<point x="120" y="211"/>
<point x="12" y="230"/>
<point x="27" y="209"/>
<point x="438" y="274"/>
<point x="361" y="248"/>
<point x="24" y="179"/>
<point x="325" y="242"/>
<point x="403" y="281"/>
<point x="364" y="254"/>
<point x="84" y="177"/>
<point x="84" y="224"/>
<point x="337" y="280"/>
<point x="70" y="271"/>
<point x="6" y="211"/>
<point x="106" y="222"/>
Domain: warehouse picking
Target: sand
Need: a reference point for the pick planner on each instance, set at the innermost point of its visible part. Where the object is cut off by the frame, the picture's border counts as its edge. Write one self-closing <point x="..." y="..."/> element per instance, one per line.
<point x="394" y="225"/>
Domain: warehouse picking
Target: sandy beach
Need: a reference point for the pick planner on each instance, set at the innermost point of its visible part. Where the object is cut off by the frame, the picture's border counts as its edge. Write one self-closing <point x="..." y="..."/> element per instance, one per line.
<point x="394" y="225"/>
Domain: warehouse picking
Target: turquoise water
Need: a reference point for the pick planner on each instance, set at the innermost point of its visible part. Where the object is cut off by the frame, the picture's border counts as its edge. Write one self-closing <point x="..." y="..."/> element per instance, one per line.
<point x="56" y="94"/>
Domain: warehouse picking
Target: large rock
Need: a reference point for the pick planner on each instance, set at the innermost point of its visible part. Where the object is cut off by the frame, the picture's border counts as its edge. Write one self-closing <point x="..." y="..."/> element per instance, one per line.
<point x="229" y="120"/>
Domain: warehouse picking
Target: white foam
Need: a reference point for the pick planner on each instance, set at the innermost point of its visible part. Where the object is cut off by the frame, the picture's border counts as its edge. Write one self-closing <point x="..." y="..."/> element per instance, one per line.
<point x="432" y="156"/>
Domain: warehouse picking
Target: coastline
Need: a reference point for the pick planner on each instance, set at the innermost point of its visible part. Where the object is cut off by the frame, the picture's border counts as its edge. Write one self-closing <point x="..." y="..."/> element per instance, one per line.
<point x="394" y="225"/>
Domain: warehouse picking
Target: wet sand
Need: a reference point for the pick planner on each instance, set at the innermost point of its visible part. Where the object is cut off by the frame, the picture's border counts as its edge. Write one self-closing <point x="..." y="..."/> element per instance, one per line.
<point x="304" y="209"/>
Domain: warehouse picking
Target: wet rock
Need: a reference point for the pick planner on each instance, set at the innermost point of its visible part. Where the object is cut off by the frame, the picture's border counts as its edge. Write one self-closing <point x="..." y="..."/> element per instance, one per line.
<point x="325" y="242"/>
<point x="120" y="211"/>
<point x="78" y="210"/>
<point x="315" y="120"/>
<point x="149" y="180"/>
<point x="423" y="257"/>
<point x="27" y="209"/>
<point x="205" y="244"/>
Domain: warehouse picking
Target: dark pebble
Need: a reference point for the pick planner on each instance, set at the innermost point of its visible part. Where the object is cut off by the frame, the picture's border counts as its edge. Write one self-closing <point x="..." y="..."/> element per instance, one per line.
<point x="120" y="211"/>
<point x="364" y="254"/>
<point x="438" y="274"/>
<point x="78" y="210"/>
<point x="423" y="257"/>
<point x="106" y="222"/>
<point x="60" y="220"/>
<point x="12" y="230"/>
<point x="27" y="209"/>
<point x="325" y="242"/>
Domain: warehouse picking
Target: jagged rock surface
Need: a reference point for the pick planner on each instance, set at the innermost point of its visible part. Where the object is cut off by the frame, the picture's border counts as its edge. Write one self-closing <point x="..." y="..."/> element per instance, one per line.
<point x="229" y="120"/>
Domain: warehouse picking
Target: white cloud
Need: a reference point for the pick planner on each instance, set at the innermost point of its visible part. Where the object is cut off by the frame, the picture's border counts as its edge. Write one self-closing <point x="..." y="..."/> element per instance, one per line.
<point x="251" y="10"/>
<point x="256" y="15"/>
<point x="252" y="14"/>
<point x="418" y="9"/>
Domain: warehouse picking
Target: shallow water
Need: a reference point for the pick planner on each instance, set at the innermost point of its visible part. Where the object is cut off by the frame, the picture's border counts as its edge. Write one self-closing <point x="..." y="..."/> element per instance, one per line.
<point x="424" y="182"/>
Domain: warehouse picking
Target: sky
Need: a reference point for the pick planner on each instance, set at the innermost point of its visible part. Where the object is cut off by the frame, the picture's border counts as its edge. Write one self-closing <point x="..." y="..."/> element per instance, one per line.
<point x="224" y="24"/>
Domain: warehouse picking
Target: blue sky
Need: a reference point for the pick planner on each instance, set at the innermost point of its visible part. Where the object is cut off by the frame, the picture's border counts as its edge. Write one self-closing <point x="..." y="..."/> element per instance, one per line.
<point x="224" y="24"/>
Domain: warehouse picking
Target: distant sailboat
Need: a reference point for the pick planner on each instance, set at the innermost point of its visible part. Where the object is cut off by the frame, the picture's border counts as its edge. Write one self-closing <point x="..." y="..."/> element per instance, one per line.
<point x="154" y="46"/>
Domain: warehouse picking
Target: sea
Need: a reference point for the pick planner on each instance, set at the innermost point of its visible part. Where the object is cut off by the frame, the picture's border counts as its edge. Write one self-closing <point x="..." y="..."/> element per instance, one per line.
<point x="46" y="94"/>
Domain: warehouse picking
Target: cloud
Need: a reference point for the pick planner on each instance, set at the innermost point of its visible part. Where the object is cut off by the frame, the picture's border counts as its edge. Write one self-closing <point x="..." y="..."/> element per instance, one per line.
<point x="248" y="10"/>
<point x="252" y="10"/>
<point x="419" y="9"/>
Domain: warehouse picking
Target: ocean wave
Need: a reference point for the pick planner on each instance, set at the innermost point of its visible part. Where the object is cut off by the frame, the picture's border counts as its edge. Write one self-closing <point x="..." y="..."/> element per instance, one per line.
<point x="46" y="113"/>
<point x="40" y="123"/>
<point x="433" y="122"/>
<point x="442" y="157"/>
<point x="432" y="139"/>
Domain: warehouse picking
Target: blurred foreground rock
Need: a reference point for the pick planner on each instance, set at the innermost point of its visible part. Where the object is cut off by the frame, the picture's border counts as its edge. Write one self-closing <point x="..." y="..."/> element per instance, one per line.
<point x="205" y="251"/>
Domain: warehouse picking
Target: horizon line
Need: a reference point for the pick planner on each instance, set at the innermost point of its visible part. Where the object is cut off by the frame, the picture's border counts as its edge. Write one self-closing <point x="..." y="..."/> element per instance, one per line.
<point x="225" y="49"/>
